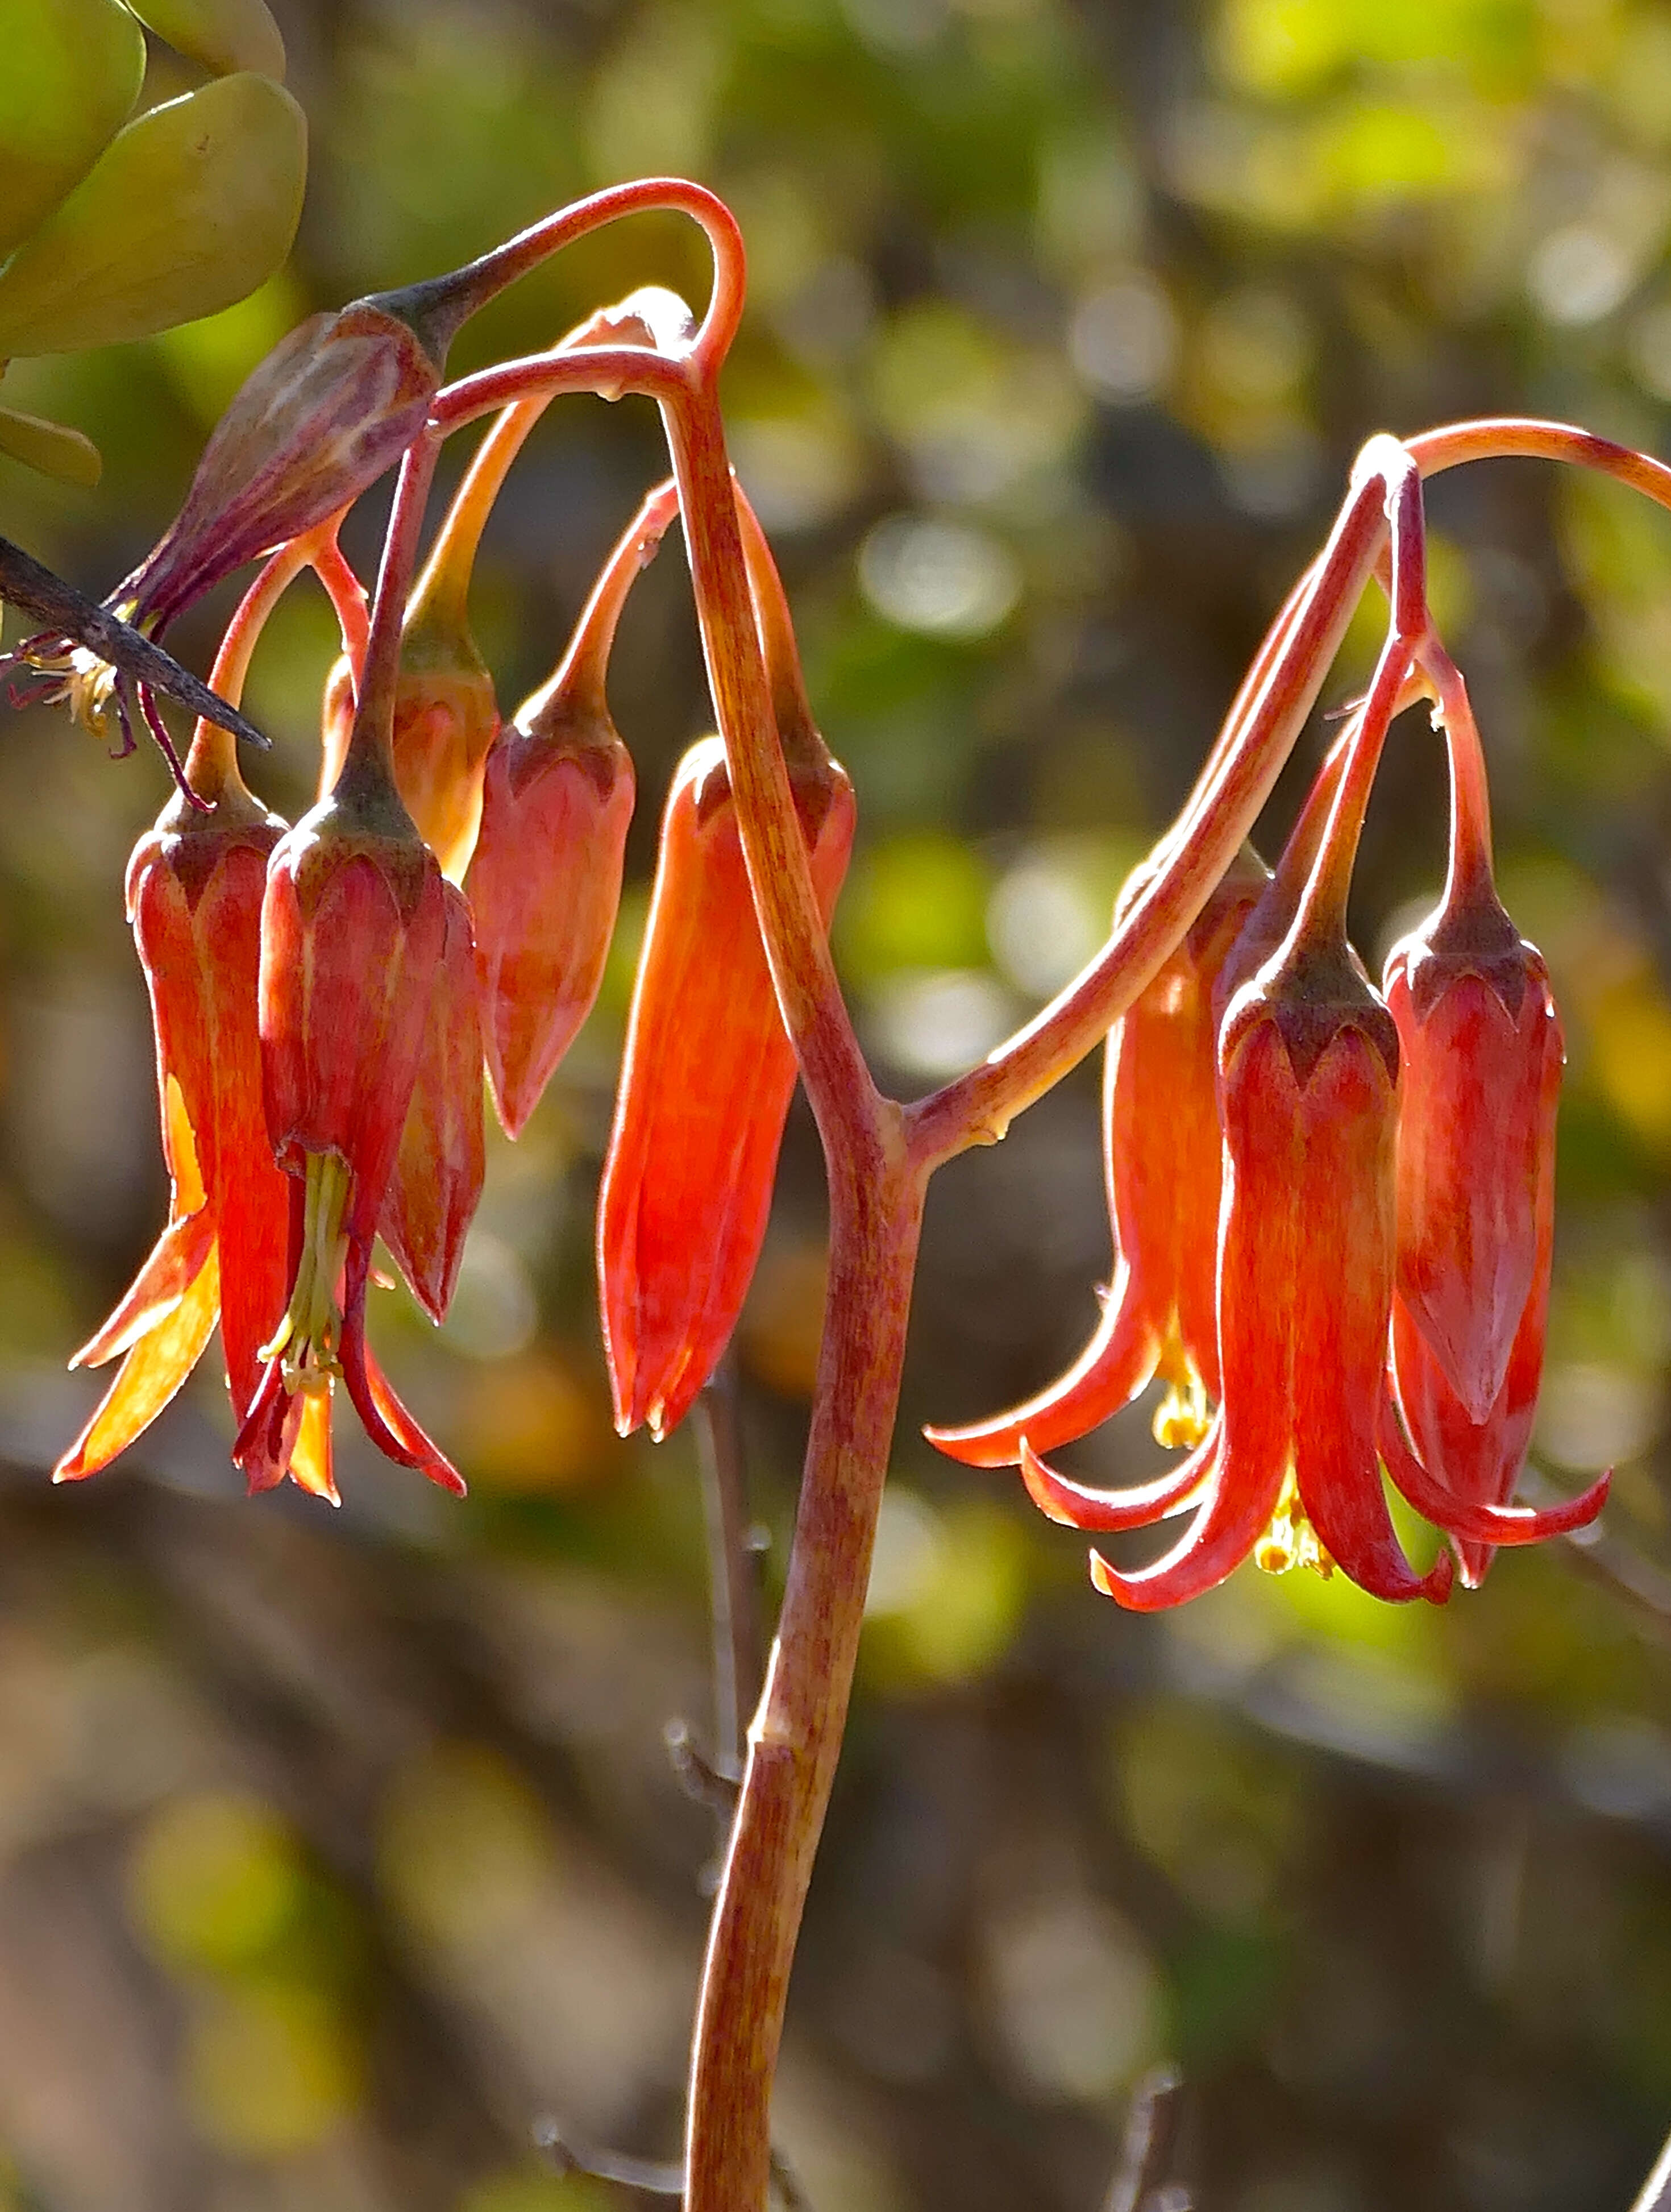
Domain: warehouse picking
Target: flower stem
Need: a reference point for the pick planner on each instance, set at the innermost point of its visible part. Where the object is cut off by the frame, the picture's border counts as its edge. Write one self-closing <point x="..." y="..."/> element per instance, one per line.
<point x="1242" y="767"/>
<point x="581" y="677"/>
<point x="367" y="770"/>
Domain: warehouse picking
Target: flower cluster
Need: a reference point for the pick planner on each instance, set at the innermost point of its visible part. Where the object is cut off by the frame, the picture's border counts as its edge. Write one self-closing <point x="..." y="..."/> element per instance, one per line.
<point x="328" y="998"/>
<point x="1332" y="1212"/>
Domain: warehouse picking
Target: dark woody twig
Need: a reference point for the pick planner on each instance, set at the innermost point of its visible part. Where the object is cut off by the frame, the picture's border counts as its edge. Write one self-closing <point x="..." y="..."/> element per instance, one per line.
<point x="26" y="584"/>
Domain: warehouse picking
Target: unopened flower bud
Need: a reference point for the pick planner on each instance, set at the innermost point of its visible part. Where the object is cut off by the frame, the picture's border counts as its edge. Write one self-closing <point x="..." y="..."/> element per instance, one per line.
<point x="705" y="1089"/>
<point x="544" y="884"/>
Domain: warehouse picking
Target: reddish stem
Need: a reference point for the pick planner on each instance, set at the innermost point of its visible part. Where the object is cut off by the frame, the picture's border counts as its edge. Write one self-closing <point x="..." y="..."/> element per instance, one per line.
<point x="473" y="286"/>
<point x="580" y="679"/>
<point x="1469" y="878"/>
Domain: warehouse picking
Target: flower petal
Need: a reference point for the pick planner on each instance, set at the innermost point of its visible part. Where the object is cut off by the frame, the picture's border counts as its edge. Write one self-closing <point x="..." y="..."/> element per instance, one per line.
<point x="150" y="1375"/>
<point x="1077" y="1506"/>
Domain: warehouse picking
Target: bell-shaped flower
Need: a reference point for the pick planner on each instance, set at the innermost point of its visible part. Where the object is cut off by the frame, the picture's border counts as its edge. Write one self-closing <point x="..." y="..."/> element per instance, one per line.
<point x="544" y="880"/>
<point x="1309" y="1073"/>
<point x="1160" y="1159"/>
<point x="1483" y="1055"/>
<point x="1309" y="1069"/>
<point x="353" y="926"/>
<point x="194" y="891"/>
<point x="705" y="1081"/>
<point x="437" y="1178"/>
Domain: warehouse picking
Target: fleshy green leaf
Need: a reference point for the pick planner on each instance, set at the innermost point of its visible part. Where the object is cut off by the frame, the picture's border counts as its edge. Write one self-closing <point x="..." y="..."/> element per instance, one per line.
<point x="222" y="34"/>
<point x="188" y="208"/>
<point x="52" y="447"/>
<point x="72" y="73"/>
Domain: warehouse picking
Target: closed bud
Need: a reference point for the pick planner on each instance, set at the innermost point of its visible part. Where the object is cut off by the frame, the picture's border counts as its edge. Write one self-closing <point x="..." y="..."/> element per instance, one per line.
<point x="705" y="1089"/>
<point x="544" y="884"/>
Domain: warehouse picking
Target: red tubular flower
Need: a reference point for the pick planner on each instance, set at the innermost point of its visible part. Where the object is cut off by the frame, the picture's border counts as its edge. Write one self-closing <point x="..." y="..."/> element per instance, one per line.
<point x="706" y="1082"/>
<point x="1161" y="1158"/>
<point x="353" y="926"/>
<point x="545" y="878"/>
<point x="1308" y="1254"/>
<point x="437" y="1178"/>
<point x="1308" y="1088"/>
<point x="194" y="893"/>
<point x="1476" y="1177"/>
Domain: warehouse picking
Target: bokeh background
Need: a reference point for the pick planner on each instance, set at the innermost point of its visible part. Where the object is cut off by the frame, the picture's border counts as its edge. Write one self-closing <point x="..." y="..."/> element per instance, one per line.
<point x="335" y="1851"/>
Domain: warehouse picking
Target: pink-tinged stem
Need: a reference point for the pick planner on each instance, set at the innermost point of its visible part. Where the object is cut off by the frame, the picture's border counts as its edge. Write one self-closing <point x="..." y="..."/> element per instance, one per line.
<point x="1322" y="905"/>
<point x="1470" y="876"/>
<point x="1515" y="437"/>
<point x="473" y="286"/>
<point x="582" y="677"/>
<point x="1243" y="765"/>
<point x="876" y="1208"/>
<point x="370" y="745"/>
<point x="347" y="594"/>
<point x="843" y="1098"/>
<point x="212" y="767"/>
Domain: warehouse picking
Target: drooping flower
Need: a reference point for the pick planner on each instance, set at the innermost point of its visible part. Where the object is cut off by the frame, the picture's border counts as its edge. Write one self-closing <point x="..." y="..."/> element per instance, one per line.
<point x="194" y="891"/>
<point x="1161" y="1160"/>
<point x="544" y="881"/>
<point x="353" y="930"/>
<point x="1290" y="1471"/>
<point x="1476" y="1165"/>
<point x="332" y="408"/>
<point x="706" y="1080"/>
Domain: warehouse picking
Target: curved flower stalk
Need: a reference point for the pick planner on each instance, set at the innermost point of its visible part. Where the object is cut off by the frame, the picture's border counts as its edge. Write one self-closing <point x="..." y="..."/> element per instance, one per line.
<point x="1161" y="1155"/>
<point x="1312" y="1243"/>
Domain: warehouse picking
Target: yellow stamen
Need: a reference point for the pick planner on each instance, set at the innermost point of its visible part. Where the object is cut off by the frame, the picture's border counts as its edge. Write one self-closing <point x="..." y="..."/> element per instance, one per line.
<point x="1290" y="1541"/>
<point x="308" y="1336"/>
<point x="1182" y="1419"/>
